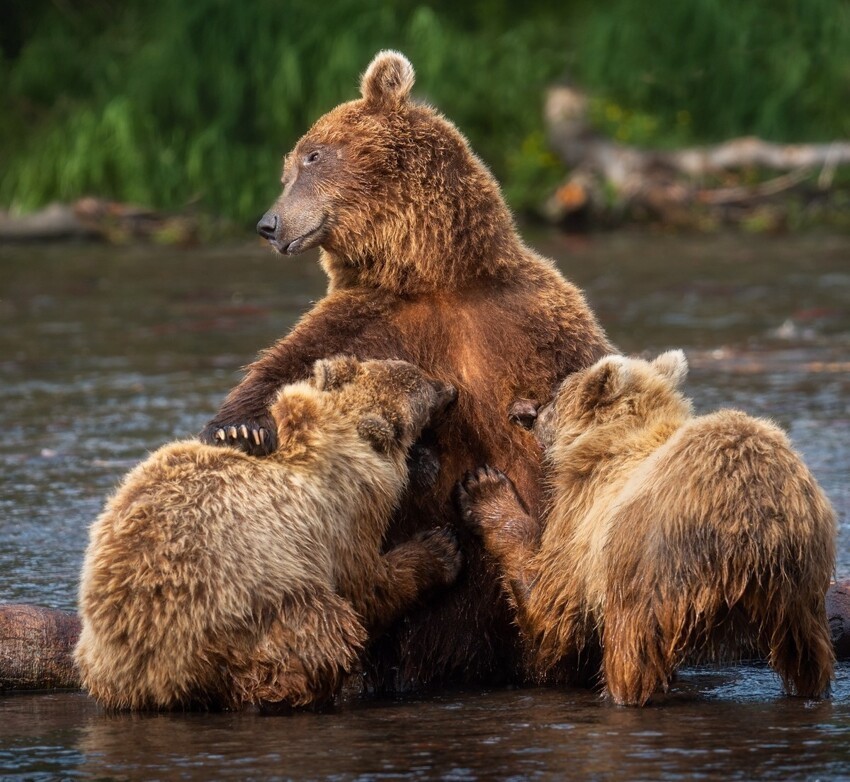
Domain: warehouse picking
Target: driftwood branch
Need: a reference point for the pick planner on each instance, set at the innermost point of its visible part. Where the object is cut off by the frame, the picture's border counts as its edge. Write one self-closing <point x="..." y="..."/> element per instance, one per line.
<point x="754" y="153"/>
<point x="95" y="218"/>
<point x="731" y="195"/>
<point x="662" y="179"/>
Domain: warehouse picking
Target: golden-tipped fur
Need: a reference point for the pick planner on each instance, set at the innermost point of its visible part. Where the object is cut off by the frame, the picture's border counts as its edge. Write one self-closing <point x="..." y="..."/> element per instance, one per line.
<point x="217" y="578"/>
<point x="388" y="80"/>
<point x="669" y="537"/>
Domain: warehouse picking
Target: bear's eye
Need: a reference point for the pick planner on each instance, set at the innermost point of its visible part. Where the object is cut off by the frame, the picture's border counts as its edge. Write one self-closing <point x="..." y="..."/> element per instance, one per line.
<point x="312" y="157"/>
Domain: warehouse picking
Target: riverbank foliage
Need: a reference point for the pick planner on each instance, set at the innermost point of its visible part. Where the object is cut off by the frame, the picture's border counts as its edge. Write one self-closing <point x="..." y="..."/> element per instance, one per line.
<point x="166" y="104"/>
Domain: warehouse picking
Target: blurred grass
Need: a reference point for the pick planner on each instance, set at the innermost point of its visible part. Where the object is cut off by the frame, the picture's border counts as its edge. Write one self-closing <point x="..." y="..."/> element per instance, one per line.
<point x="676" y="71"/>
<point x="196" y="100"/>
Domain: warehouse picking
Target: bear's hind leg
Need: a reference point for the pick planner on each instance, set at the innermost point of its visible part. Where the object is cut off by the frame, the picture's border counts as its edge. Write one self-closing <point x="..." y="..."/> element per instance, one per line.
<point x="637" y="658"/>
<point x="312" y="643"/>
<point x="800" y="650"/>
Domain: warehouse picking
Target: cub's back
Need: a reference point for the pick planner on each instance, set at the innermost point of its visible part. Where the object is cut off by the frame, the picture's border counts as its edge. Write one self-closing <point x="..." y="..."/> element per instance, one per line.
<point x="204" y="523"/>
<point x="731" y="473"/>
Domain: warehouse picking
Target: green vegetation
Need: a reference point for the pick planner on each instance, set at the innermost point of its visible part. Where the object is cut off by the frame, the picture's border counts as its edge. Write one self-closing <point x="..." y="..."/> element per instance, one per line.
<point x="196" y="100"/>
<point x="675" y="71"/>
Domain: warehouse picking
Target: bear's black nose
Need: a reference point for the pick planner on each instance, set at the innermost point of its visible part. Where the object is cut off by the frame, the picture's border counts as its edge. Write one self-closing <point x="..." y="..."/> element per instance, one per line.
<point x="267" y="226"/>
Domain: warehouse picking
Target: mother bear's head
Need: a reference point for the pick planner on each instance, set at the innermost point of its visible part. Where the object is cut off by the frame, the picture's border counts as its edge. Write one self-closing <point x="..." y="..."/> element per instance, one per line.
<point x="391" y="192"/>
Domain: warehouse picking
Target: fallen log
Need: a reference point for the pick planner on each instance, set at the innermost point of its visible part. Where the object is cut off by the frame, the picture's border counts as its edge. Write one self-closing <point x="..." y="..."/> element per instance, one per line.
<point x="55" y="222"/>
<point x="37" y="644"/>
<point x="96" y="218"/>
<point x="664" y="180"/>
<point x="838" y="614"/>
<point x="36" y="648"/>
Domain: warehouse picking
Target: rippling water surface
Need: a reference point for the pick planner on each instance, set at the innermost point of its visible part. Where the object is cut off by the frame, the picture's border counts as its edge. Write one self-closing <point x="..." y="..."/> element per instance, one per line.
<point x="107" y="353"/>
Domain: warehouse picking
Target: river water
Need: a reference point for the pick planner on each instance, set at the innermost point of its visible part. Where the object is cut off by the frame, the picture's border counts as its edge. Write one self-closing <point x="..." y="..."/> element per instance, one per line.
<point x="107" y="353"/>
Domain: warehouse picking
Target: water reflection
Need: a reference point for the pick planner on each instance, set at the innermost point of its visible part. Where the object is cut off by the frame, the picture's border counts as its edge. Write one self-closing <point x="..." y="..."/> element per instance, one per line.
<point x="723" y="723"/>
<point x="105" y="354"/>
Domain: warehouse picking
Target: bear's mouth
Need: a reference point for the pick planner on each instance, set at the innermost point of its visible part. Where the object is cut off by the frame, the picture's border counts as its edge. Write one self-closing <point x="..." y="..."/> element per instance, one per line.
<point x="303" y="242"/>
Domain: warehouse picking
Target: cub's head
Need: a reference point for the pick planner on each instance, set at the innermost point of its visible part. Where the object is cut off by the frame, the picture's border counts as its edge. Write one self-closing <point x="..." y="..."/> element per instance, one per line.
<point x="388" y="403"/>
<point x="381" y="184"/>
<point x="615" y="390"/>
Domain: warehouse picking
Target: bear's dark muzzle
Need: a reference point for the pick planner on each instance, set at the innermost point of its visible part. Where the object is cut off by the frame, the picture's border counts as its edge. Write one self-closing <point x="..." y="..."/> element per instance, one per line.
<point x="268" y="225"/>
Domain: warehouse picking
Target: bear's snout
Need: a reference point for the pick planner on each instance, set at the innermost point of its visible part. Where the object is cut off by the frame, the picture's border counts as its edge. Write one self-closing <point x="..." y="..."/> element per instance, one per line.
<point x="267" y="227"/>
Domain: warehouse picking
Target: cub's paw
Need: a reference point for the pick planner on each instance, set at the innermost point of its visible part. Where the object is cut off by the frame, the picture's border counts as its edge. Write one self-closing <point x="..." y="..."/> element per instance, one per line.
<point x="257" y="438"/>
<point x="479" y="491"/>
<point x="443" y="546"/>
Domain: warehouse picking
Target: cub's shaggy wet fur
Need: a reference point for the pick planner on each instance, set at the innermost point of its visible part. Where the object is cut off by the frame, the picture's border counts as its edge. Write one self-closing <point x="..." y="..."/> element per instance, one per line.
<point x="216" y="578"/>
<point x="670" y="536"/>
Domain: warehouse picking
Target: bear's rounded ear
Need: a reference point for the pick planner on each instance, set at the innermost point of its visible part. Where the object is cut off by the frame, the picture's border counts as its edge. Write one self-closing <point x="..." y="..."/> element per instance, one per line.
<point x="673" y="365"/>
<point x="607" y="380"/>
<point x="388" y="80"/>
<point x="377" y="431"/>
<point x="330" y="373"/>
<point x="524" y="413"/>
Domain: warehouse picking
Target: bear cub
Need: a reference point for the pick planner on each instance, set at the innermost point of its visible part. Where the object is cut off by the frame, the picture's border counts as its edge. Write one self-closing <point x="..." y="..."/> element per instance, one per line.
<point x="218" y="579"/>
<point x="670" y="537"/>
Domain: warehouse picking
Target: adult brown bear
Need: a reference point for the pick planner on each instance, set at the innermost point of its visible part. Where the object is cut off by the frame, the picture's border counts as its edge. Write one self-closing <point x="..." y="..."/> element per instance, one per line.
<point x="425" y="265"/>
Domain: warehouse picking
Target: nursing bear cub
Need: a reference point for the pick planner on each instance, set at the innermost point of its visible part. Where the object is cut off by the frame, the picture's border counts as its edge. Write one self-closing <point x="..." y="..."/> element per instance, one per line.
<point x="669" y="537"/>
<point x="216" y="578"/>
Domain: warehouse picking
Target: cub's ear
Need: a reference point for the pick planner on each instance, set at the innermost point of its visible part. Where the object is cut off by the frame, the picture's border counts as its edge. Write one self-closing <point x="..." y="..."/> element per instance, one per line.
<point x="377" y="431"/>
<point x="524" y="413"/>
<point x="673" y="365"/>
<point x="388" y="80"/>
<point x="607" y="380"/>
<point x="331" y="373"/>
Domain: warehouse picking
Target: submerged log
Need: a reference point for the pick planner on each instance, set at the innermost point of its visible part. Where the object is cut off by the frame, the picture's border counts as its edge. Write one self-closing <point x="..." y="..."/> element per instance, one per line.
<point x="838" y="614"/>
<point x="37" y="644"/>
<point x="36" y="648"/>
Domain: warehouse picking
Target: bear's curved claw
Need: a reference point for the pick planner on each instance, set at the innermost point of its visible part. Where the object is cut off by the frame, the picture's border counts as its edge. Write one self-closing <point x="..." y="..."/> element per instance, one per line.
<point x="252" y="438"/>
<point x="477" y="486"/>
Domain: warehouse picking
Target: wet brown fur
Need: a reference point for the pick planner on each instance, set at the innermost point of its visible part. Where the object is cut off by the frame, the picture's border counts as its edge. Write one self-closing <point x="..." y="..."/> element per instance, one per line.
<point x="669" y="537"/>
<point x="425" y="264"/>
<point x="220" y="579"/>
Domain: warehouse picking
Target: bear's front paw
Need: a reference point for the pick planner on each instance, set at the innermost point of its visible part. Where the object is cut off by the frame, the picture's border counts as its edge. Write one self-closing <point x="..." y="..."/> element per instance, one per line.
<point x="479" y="489"/>
<point x="442" y="544"/>
<point x="491" y="507"/>
<point x="257" y="438"/>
